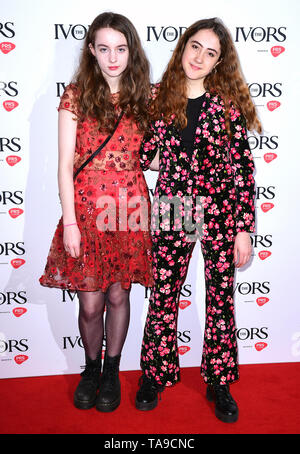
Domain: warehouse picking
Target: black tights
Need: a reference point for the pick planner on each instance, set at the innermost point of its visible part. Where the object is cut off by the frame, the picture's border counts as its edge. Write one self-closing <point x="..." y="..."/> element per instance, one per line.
<point x="91" y="319"/>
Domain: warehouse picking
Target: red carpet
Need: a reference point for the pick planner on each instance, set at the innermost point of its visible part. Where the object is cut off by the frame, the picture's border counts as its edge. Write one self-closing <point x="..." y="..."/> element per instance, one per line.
<point x="268" y="397"/>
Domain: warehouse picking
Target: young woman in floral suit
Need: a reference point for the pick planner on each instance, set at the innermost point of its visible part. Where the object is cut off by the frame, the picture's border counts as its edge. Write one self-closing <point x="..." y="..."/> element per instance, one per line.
<point x="198" y="140"/>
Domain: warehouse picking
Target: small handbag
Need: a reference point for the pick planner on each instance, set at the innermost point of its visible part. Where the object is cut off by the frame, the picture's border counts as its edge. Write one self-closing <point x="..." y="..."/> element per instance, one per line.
<point x="100" y="148"/>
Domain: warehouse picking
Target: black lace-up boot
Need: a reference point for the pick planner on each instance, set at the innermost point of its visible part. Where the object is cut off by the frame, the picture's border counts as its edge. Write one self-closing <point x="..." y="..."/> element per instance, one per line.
<point x="109" y="396"/>
<point x="147" y="395"/>
<point x="86" y="391"/>
<point x="225" y="406"/>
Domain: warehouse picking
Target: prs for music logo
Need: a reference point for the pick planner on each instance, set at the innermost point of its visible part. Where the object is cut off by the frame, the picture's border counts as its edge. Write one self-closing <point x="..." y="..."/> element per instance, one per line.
<point x="7" y="47"/>
<point x="10" y="105"/>
<point x="277" y="50"/>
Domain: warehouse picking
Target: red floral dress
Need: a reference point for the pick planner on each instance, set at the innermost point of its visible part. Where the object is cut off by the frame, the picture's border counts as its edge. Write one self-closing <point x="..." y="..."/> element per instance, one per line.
<point x="112" y="209"/>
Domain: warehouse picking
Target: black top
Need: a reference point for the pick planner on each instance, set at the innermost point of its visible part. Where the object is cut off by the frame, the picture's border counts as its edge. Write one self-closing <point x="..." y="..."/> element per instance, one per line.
<point x="192" y="113"/>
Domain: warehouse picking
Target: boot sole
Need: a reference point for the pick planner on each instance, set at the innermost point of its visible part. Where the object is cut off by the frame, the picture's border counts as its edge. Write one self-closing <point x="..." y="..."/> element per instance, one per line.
<point x="106" y="408"/>
<point x="81" y="405"/>
<point x="226" y="418"/>
<point x="146" y="406"/>
<point x="221" y="416"/>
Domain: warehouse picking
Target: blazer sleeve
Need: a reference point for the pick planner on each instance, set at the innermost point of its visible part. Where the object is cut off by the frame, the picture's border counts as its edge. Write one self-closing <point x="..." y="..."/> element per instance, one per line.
<point x="150" y="145"/>
<point x="243" y="168"/>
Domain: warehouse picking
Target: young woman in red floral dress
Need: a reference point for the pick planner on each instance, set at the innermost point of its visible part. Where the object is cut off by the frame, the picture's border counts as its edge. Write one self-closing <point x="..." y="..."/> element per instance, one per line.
<point x="199" y="143"/>
<point x="102" y="243"/>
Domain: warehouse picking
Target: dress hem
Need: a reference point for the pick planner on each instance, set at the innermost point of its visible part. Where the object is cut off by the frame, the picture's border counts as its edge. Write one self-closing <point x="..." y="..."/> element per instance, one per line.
<point x="125" y="286"/>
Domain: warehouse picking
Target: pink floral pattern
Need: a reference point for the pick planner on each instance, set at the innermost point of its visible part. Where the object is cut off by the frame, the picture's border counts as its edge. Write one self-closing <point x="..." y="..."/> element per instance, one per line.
<point x="220" y="172"/>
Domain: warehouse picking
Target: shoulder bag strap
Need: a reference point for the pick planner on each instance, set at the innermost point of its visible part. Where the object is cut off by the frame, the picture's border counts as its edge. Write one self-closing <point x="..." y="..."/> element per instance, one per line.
<point x="101" y="146"/>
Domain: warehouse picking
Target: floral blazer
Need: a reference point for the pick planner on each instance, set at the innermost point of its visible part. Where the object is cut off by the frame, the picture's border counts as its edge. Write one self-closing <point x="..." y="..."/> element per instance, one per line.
<point x="219" y="174"/>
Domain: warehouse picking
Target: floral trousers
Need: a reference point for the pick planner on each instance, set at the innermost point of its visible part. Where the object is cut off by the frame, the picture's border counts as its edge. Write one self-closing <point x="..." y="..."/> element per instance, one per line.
<point x="159" y="356"/>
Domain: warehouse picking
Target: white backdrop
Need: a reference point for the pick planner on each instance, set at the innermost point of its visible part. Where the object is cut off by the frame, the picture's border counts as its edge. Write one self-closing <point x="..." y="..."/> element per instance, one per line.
<point x="39" y="49"/>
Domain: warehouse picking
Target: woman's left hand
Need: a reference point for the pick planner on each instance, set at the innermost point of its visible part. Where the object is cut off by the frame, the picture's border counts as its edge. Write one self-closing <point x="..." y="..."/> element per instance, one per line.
<point x="242" y="249"/>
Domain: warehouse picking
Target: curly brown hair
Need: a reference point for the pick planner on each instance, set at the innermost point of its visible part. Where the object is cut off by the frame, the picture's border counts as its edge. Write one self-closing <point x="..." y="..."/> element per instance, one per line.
<point x="227" y="80"/>
<point x="94" y="97"/>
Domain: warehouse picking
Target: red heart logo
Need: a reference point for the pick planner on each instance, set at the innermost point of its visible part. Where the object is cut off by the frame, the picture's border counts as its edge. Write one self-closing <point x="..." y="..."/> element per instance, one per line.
<point x="272" y="105"/>
<point x="267" y="206"/>
<point x="15" y="212"/>
<point x="10" y="105"/>
<point x="18" y="311"/>
<point x="268" y="157"/>
<point x="20" y="358"/>
<point x="262" y="300"/>
<point x="264" y="254"/>
<point x="16" y="263"/>
<point x="13" y="160"/>
<point x="6" y="47"/>
<point x="184" y="303"/>
<point x="260" y="346"/>
<point x="277" y="50"/>
<point x="183" y="349"/>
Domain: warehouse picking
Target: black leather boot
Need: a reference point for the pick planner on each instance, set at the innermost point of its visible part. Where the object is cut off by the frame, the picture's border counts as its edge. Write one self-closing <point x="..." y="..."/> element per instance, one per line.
<point x="109" y="396"/>
<point x="86" y="391"/>
<point x="147" y="395"/>
<point x="225" y="406"/>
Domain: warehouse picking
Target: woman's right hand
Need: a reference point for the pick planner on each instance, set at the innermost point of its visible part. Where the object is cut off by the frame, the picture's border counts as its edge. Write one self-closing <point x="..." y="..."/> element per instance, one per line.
<point x="71" y="240"/>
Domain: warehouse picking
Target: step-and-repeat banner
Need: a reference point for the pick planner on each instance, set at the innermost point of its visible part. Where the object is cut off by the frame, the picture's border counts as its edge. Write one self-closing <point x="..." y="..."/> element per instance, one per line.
<point x="39" y="47"/>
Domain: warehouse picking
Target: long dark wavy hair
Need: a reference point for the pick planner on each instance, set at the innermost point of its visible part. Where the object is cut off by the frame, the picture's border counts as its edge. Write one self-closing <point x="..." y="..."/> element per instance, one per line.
<point x="227" y="80"/>
<point x="94" y="97"/>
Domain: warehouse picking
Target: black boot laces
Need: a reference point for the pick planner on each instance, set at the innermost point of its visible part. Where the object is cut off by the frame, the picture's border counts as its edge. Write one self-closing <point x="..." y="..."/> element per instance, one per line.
<point x="148" y="385"/>
<point x="223" y="394"/>
<point x="110" y="376"/>
<point x="90" y="372"/>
